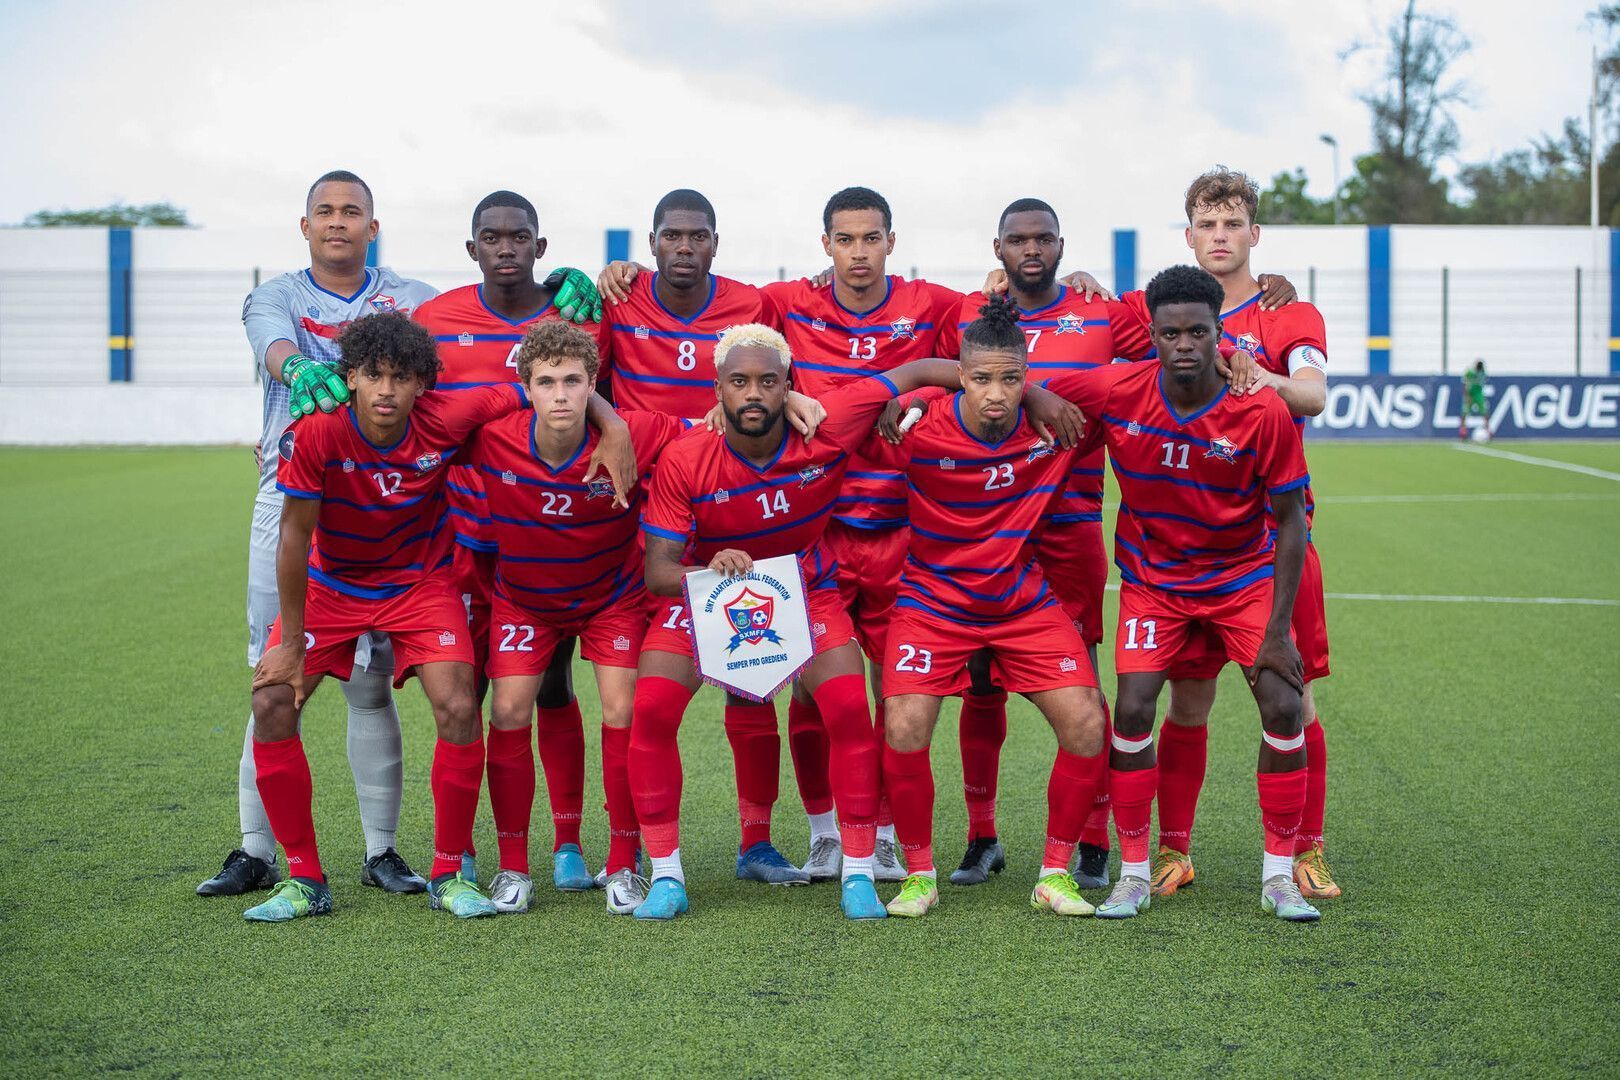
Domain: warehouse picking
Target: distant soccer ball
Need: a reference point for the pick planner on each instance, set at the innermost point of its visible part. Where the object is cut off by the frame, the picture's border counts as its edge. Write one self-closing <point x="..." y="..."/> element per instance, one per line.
<point x="1481" y="434"/>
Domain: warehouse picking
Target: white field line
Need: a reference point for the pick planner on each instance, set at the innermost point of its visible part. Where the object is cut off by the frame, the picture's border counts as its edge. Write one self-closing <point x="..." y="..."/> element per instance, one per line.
<point x="1508" y="455"/>
<point x="1415" y="598"/>
<point x="1524" y="496"/>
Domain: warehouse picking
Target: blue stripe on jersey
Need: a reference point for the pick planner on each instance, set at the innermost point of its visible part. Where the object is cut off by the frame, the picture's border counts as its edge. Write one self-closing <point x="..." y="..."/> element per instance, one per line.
<point x="321" y="527"/>
<point x="1163" y="515"/>
<point x="575" y="586"/>
<point x="957" y="504"/>
<point x="549" y="484"/>
<point x="947" y="573"/>
<point x="1075" y="518"/>
<point x="477" y="337"/>
<point x="370" y="508"/>
<point x="870" y="524"/>
<point x="1060" y="365"/>
<point x="466" y="385"/>
<point x="875" y="328"/>
<point x="383" y="592"/>
<point x="476" y="519"/>
<point x="1258" y="574"/>
<point x="679" y="538"/>
<point x="972" y="463"/>
<point x="461" y="489"/>
<point x="474" y="544"/>
<point x="879" y="474"/>
<point x="1184" y="483"/>
<point x="1115" y="421"/>
<point x="767" y="532"/>
<point x="953" y="613"/>
<point x="296" y="492"/>
<point x="572" y="608"/>
<point x="660" y="380"/>
<point x="868" y="500"/>
<point x="684" y="335"/>
<point x="535" y="523"/>
<point x="999" y="534"/>
<point x="560" y="558"/>
<point x="834" y="369"/>
<point x="1291" y="485"/>
<point x="763" y="485"/>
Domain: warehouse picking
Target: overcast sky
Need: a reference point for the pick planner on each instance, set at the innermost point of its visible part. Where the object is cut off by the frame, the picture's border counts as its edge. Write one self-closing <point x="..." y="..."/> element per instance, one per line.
<point x="594" y="110"/>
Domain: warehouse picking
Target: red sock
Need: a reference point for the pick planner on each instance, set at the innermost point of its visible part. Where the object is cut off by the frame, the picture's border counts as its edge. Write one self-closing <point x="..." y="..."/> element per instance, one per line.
<point x="456" y="775"/>
<point x="1183" y="756"/>
<point x="885" y="814"/>
<point x="284" y="782"/>
<point x="509" y="761"/>
<point x="807" y="742"/>
<point x="1310" y="822"/>
<point x="910" y="780"/>
<point x="1095" y="831"/>
<point x="624" y="835"/>
<point x="655" y="761"/>
<point x="1132" y="794"/>
<point x="983" y="730"/>
<point x="756" y="751"/>
<point x="1282" y="800"/>
<point x="854" y="761"/>
<point x="1069" y="795"/>
<point x="561" y="735"/>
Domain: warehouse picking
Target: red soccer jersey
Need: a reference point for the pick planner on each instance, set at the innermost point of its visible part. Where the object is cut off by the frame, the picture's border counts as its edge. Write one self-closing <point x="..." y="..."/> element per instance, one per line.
<point x="382" y="525"/>
<point x="1192" y="516"/>
<point x="1069" y="334"/>
<point x="565" y="550"/>
<point x="660" y="362"/>
<point x="704" y="491"/>
<point x="974" y="506"/>
<point x="477" y="347"/>
<point x="833" y="346"/>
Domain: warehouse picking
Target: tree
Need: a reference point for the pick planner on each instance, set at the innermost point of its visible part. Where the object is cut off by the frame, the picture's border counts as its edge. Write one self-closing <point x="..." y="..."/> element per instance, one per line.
<point x="1285" y="202"/>
<point x="1544" y="184"/>
<point x="117" y="215"/>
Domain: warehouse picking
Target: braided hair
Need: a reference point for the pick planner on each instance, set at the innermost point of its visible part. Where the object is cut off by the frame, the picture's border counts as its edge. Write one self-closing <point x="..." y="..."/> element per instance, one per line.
<point x="996" y="328"/>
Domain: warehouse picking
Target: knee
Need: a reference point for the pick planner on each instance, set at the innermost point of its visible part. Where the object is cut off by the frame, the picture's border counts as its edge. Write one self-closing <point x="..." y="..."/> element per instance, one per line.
<point x="905" y="731"/>
<point x="457" y="717"/>
<point x="1280" y="710"/>
<point x="274" y="716"/>
<point x="510" y="715"/>
<point x="1134" y="715"/>
<point x="616" y="713"/>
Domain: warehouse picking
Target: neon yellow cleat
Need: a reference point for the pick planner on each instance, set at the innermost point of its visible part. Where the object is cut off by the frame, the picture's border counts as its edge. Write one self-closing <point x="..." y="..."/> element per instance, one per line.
<point x="919" y="893"/>
<point x="1059" y="894"/>
<point x="1171" y="870"/>
<point x="1313" y="876"/>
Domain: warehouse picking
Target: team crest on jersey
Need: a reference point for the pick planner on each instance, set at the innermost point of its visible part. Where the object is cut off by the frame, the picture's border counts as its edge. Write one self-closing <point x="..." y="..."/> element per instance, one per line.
<point x="817" y="325"/>
<point x="1222" y="449"/>
<point x="382" y="302"/>
<point x="1038" y="450"/>
<point x="429" y="460"/>
<point x="1249" y="343"/>
<point x="446" y="637"/>
<point x="750" y="616"/>
<point x="722" y="496"/>
<point x="903" y="329"/>
<point x="285" y="446"/>
<point x="1070" y="323"/>
<point x="1133" y="428"/>
<point x="600" y="488"/>
<point x="810" y="473"/>
<point x="642" y="333"/>
<point x="509" y="477"/>
<point x="464" y="339"/>
<point x="946" y="463"/>
<point x="348" y="464"/>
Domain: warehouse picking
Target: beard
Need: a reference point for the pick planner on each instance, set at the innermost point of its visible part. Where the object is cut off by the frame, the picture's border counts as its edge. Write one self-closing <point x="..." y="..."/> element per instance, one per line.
<point x="995" y="430"/>
<point x="1047" y="279"/>
<point x="753" y="420"/>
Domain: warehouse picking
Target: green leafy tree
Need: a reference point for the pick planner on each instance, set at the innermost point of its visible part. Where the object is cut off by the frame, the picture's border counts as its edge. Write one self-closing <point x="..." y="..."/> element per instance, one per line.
<point x="117" y="215"/>
<point x="1286" y="202"/>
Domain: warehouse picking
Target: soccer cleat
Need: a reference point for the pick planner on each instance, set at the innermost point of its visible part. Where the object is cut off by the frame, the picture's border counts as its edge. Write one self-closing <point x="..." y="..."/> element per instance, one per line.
<point x="826" y="859"/>
<point x="469" y="868"/>
<point x="293" y="899"/>
<point x="1280" y="897"/>
<point x="1130" y="898"/>
<point x="764" y="863"/>
<point x="601" y="878"/>
<point x="1059" y="894"/>
<point x="241" y="873"/>
<point x="860" y="900"/>
<point x="886" y="864"/>
<point x="626" y="890"/>
<point x="1171" y="870"/>
<point x="390" y="873"/>
<point x="568" y="870"/>
<point x="984" y="856"/>
<point x="1091" y="866"/>
<point x="460" y="897"/>
<point x="510" y="892"/>
<point x="1312" y="875"/>
<point x="919" y="893"/>
<point x="665" y="900"/>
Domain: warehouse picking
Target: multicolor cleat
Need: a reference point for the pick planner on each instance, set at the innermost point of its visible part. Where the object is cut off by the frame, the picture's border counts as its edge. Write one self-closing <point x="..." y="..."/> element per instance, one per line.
<point x="859" y="899"/>
<point x="1131" y="897"/>
<point x="1280" y="897"/>
<point x="918" y="893"/>
<point x="1312" y="875"/>
<point x="1059" y="894"/>
<point x="763" y="863"/>
<point x="511" y="892"/>
<point x="665" y="900"/>
<point x="1171" y="870"/>
<point x="292" y="899"/>
<point x="460" y="897"/>
<point x="568" y="870"/>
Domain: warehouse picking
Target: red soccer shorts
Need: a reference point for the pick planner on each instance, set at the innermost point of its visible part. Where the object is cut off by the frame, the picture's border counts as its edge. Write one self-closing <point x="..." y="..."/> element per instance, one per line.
<point x="522" y="642"/>
<point x="1075" y="563"/>
<point x="427" y="624"/>
<point x="1204" y="655"/>
<point x="475" y="577"/>
<point x="1039" y="650"/>
<point x="869" y="564"/>
<point x="1157" y="627"/>
<point x="669" y="627"/>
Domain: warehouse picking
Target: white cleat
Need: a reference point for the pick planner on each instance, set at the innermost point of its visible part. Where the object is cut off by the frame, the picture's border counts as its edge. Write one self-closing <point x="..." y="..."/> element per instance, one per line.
<point x="602" y="875"/>
<point x="510" y="892"/>
<point x="886" y="864"/>
<point x="625" y="890"/>
<point x="826" y="861"/>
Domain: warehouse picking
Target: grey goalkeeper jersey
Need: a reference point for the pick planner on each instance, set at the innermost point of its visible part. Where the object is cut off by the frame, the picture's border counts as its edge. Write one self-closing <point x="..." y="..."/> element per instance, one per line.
<point x="293" y="308"/>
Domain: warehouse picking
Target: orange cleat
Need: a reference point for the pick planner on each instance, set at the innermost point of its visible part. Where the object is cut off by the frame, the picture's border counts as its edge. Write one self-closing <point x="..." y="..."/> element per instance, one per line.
<point x="1171" y="870"/>
<point x="1312" y="873"/>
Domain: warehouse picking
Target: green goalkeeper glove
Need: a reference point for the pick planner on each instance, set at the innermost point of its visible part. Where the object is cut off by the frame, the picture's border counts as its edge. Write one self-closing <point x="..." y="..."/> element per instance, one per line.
<point x="574" y="295"/>
<point x="312" y="385"/>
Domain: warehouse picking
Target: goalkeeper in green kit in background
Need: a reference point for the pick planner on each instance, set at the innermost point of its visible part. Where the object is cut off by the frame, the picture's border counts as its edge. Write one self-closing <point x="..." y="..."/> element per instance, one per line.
<point x="1474" y="412"/>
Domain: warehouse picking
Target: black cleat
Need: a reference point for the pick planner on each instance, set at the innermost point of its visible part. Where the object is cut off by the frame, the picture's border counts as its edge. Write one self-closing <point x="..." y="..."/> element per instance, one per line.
<point x="241" y="873"/>
<point x="389" y="873"/>
<point x="1091" y="872"/>
<point x="984" y="857"/>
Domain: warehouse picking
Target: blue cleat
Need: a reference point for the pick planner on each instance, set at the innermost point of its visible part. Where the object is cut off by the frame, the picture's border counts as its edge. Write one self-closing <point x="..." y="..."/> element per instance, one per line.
<point x="469" y="868"/>
<point x="665" y="900"/>
<point x="293" y="898"/>
<point x="860" y="899"/>
<point x="764" y="863"/>
<point x="460" y="897"/>
<point x="568" y="871"/>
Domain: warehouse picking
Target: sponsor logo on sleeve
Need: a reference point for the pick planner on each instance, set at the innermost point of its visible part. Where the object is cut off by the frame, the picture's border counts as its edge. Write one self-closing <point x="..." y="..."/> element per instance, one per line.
<point x="285" y="446"/>
<point x="464" y="339"/>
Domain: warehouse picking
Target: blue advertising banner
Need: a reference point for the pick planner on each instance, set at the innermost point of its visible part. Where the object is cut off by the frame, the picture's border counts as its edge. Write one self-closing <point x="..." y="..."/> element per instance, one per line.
<point x="1430" y="406"/>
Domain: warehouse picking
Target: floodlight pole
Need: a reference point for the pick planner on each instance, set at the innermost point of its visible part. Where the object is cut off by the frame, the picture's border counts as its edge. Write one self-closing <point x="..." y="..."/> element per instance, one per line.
<point x="1334" y="143"/>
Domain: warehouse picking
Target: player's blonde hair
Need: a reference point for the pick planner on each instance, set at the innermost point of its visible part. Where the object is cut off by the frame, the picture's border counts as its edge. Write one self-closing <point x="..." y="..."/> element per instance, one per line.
<point x="752" y="334"/>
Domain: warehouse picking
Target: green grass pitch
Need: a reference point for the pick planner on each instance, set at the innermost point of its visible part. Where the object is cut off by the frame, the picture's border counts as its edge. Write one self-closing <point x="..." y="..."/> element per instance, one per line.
<point x="1472" y="820"/>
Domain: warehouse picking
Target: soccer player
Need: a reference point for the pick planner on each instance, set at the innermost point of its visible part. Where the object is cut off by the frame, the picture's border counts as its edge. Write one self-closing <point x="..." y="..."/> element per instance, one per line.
<point x="478" y="329"/>
<point x="568" y="566"/>
<point x="366" y="485"/>
<point x="1197" y="468"/>
<point x="981" y="481"/>
<point x="1289" y="345"/>
<point x="293" y="322"/>
<point x="1474" y="411"/>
